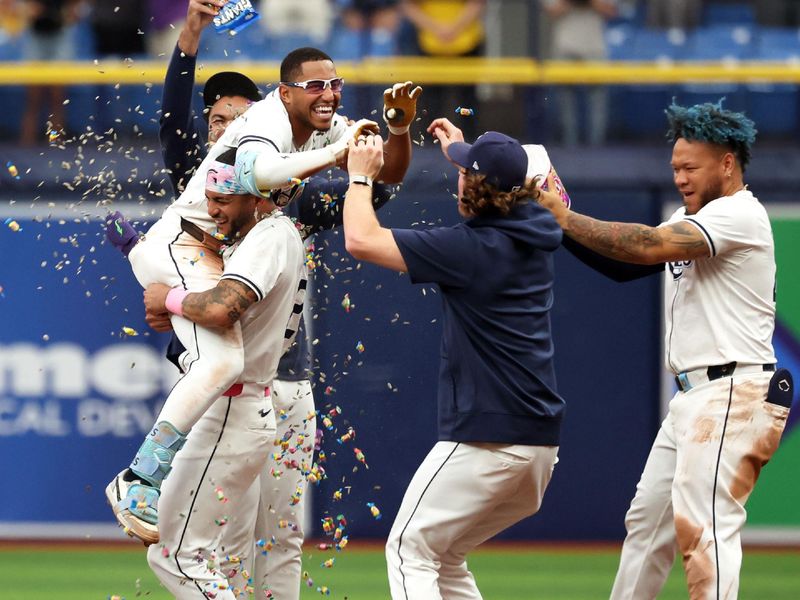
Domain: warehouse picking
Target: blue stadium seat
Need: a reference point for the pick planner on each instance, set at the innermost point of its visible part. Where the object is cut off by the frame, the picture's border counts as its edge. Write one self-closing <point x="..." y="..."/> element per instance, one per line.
<point x="774" y="107"/>
<point x="638" y="110"/>
<point x="721" y="42"/>
<point x="10" y="47"/>
<point x="658" y="44"/>
<point x="777" y="43"/>
<point x="717" y="13"/>
<point x="618" y="41"/>
<point x="344" y="44"/>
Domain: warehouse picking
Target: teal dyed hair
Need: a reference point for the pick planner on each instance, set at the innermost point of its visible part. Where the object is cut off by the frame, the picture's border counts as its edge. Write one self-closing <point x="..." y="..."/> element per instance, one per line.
<point x="713" y="124"/>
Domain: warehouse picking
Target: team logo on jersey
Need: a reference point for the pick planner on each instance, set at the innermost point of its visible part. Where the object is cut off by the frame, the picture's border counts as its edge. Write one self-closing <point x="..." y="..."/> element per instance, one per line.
<point x="677" y="267"/>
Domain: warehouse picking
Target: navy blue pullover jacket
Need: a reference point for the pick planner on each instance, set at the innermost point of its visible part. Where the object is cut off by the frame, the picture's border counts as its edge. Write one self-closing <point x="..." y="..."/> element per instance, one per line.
<point x="496" y="379"/>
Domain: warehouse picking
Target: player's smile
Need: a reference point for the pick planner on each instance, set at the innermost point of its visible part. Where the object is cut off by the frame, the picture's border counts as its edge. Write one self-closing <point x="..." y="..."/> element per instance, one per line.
<point x="324" y="112"/>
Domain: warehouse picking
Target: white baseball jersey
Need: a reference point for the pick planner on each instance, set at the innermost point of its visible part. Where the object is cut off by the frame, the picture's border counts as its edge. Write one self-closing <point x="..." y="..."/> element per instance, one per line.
<point x="721" y="309"/>
<point x="264" y="125"/>
<point x="270" y="260"/>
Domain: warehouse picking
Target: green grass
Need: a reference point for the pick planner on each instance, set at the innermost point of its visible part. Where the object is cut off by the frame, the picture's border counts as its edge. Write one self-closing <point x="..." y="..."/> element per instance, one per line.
<point x="74" y="572"/>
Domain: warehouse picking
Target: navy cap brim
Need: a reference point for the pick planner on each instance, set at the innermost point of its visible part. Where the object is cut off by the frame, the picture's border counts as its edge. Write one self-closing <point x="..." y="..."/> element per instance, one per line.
<point x="459" y="153"/>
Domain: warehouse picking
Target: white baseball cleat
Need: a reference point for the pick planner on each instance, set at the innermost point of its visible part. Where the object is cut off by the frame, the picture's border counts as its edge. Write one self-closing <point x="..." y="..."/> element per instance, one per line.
<point x="135" y="504"/>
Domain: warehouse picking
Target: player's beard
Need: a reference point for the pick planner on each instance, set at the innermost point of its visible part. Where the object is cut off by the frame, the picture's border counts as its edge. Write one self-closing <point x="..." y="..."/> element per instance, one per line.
<point x="241" y="222"/>
<point x="713" y="190"/>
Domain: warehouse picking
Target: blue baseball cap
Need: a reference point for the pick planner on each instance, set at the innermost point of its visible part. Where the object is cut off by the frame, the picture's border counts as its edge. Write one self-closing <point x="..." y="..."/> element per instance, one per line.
<point x="501" y="158"/>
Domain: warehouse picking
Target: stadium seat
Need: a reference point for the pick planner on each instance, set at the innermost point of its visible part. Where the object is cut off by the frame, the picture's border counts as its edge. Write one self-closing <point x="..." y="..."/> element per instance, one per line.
<point x="774" y="107"/>
<point x="658" y="44"/>
<point x="344" y="43"/>
<point x="721" y="42"/>
<point x="638" y="110"/>
<point x="777" y="43"/>
<point x="718" y="13"/>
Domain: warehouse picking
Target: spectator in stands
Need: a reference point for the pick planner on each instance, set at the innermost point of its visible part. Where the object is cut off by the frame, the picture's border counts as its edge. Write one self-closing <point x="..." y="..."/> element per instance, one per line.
<point x="12" y="20"/>
<point x="377" y="22"/>
<point x="49" y="38"/>
<point x="448" y="28"/>
<point x="166" y="20"/>
<point x="778" y="13"/>
<point x="578" y="34"/>
<point x="118" y="27"/>
<point x="673" y="14"/>
<point x="311" y="18"/>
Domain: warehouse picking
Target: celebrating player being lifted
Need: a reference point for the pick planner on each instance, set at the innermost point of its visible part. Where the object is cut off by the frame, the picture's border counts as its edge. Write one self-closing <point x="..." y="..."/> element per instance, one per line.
<point x="227" y="95"/>
<point x="292" y="133"/>
<point x="725" y="421"/>
<point x="499" y="411"/>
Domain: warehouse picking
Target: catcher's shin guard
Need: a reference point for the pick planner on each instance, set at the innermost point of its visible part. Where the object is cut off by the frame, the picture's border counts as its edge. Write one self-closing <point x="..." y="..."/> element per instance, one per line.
<point x="153" y="461"/>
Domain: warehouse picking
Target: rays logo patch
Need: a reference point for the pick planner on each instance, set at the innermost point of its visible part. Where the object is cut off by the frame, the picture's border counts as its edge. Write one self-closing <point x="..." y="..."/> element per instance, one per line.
<point x="677" y="268"/>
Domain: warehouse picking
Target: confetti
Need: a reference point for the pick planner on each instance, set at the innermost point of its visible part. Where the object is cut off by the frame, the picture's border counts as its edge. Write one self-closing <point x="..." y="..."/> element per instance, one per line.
<point x="360" y="457"/>
<point x="222" y="521"/>
<point x="220" y="494"/>
<point x="328" y="564"/>
<point x="374" y="510"/>
<point x="197" y="258"/>
<point x="12" y="170"/>
<point x="130" y="331"/>
<point x="350" y="435"/>
<point x="324" y="590"/>
<point x="346" y="304"/>
<point x="465" y="112"/>
<point x="360" y="347"/>
<point x="53" y="135"/>
<point x="13" y="225"/>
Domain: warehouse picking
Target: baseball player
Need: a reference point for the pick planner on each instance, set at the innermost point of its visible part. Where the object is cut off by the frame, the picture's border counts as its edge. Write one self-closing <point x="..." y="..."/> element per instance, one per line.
<point x="208" y="503"/>
<point x="305" y="135"/>
<point x="226" y="96"/>
<point x="499" y="411"/>
<point x="725" y="421"/>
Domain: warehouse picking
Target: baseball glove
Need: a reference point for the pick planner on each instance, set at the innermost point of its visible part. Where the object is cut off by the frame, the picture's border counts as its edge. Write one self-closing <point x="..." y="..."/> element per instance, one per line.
<point x="400" y="106"/>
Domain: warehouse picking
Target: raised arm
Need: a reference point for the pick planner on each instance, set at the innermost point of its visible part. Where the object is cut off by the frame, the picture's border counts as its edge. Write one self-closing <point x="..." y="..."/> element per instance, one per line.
<point x="399" y="110"/>
<point x="364" y="237"/>
<point x="182" y="138"/>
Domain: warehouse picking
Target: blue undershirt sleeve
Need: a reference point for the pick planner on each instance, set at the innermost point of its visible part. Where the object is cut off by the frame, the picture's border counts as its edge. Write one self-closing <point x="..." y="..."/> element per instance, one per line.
<point x="179" y="130"/>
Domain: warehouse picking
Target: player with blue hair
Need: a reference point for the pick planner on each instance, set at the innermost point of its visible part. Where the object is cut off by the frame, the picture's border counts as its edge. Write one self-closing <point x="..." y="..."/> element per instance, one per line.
<point x="726" y="418"/>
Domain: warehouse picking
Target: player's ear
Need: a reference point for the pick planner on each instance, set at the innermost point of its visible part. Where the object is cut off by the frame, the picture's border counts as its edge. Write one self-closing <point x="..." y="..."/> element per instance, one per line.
<point x="286" y="97"/>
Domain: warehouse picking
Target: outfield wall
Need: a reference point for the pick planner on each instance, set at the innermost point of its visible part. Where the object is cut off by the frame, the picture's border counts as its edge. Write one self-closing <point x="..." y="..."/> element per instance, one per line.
<point x="77" y="394"/>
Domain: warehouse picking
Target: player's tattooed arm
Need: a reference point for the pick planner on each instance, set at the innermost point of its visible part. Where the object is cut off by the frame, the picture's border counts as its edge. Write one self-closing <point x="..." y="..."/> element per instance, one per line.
<point x="636" y="243"/>
<point x="221" y="306"/>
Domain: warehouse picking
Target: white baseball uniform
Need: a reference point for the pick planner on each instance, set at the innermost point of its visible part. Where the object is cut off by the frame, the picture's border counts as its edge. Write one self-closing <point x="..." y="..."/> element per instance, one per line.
<point x="174" y="257"/>
<point x="720" y="428"/>
<point x="208" y="503"/>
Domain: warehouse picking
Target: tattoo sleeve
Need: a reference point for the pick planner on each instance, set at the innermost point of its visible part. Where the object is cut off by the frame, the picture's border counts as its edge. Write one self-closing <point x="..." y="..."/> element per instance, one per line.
<point x="222" y="305"/>
<point x="636" y="243"/>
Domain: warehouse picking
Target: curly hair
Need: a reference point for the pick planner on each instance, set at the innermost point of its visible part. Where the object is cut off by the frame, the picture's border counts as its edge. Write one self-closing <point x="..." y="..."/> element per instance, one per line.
<point x="713" y="124"/>
<point x="482" y="199"/>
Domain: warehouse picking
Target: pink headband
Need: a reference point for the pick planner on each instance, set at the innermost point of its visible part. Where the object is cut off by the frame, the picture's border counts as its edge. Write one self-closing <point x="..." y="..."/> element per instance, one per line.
<point x="221" y="178"/>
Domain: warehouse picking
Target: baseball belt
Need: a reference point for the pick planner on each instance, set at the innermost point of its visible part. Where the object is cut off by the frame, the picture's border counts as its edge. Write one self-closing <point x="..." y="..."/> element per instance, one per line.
<point x="689" y="379"/>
